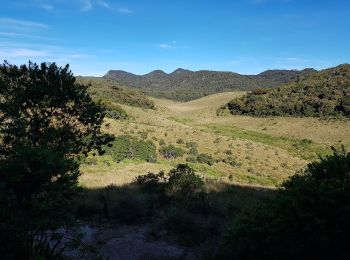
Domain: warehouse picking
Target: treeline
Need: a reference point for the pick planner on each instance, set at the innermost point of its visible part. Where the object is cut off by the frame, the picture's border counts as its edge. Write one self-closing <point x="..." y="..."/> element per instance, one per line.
<point x="105" y="89"/>
<point x="323" y="94"/>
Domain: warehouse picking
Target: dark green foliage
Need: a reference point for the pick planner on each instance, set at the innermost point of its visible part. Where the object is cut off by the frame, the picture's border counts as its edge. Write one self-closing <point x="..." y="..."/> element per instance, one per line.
<point x="44" y="105"/>
<point x="128" y="147"/>
<point x="231" y="161"/>
<point x="323" y="94"/>
<point x="180" y="141"/>
<point x="205" y="158"/>
<point x="46" y="121"/>
<point x="161" y="142"/>
<point x="201" y="158"/>
<point x="114" y="111"/>
<point x="186" y="85"/>
<point x="309" y="218"/>
<point x="170" y="152"/>
<point x="151" y="181"/>
<point x="107" y="89"/>
<point x="183" y="181"/>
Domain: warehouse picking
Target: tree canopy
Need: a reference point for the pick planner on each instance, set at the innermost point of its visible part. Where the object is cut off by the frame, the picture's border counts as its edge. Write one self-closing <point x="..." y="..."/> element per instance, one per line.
<point x="46" y="121"/>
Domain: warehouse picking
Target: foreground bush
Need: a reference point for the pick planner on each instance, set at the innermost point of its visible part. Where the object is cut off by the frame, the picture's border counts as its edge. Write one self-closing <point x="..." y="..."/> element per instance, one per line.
<point x="47" y="120"/>
<point x="309" y="218"/>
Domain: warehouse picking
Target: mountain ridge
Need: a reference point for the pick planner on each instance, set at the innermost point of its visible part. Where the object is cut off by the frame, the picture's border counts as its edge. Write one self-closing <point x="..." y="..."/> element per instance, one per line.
<point x="185" y="85"/>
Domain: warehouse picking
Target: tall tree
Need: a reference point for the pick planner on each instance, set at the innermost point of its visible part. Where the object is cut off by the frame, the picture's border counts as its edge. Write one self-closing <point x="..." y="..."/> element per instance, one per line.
<point x="46" y="121"/>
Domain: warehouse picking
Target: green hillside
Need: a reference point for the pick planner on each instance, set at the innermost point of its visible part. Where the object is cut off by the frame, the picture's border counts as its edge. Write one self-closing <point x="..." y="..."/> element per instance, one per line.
<point x="106" y="89"/>
<point x="323" y="94"/>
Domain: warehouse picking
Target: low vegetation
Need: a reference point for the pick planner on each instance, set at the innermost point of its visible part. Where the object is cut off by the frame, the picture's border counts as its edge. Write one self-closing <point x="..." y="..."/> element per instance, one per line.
<point x="307" y="218"/>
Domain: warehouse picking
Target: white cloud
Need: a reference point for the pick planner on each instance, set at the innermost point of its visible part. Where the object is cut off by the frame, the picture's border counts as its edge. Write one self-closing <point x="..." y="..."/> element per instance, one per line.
<point x="87" y="6"/>
<point x="22" y="23"/>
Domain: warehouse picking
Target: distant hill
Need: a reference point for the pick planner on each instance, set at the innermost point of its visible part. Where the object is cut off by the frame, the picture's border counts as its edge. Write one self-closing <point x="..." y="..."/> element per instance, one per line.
<point x="185" y="85"/>
<point x="322" y="94"/>
<point x="111" y="91"/>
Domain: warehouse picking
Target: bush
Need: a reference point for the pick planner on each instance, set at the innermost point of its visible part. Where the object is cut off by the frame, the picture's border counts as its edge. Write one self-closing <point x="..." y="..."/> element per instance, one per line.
<point x="183" y="181"/>
<point x="171" y="152"/>
<point x="180" y="141"/>
<point x="231" y="161"/>
<point x="114" y="111"/>
<point x="193" y="151"/>
<point x="151" y="180"/>
<point x="127" y="147"/>
<point x="309" y="217"/>
<point x="205" y="158"/>
<point x="161" y="142"/>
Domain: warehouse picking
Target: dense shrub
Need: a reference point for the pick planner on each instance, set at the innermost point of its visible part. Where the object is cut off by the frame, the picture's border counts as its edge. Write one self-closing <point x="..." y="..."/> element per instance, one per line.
<point x="127" y="147"/>
<point x="183" y="181"/>
<point x="180" y="141"/>
<point x="309" y="218"/>
<point x="231" y="161"/>
<point x="151" y="181"/>
<point x="171" y="152"/>
<point x="161" y="142"/>
<point x="205" y="158"/>
<point x="114" y="111"/>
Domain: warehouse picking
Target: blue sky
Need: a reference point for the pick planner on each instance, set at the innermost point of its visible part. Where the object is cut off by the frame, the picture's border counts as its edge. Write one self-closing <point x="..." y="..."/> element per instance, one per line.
<point x="247" y="36"/>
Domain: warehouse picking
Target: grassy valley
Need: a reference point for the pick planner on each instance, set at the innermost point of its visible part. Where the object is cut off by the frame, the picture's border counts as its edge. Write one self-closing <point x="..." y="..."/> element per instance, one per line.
<point x="180" y="179"/>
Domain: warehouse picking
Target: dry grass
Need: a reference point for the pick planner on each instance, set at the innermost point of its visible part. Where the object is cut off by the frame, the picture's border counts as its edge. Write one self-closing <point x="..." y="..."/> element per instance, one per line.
<point x="266" y="149"/>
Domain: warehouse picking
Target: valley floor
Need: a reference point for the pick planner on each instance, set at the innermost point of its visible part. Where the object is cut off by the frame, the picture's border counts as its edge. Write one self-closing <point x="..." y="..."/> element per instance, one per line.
<point x="267" y="150"/>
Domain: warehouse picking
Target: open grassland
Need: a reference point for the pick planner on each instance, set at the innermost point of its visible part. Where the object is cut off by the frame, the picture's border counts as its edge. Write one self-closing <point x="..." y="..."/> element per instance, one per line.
<point x="265" y="150"/>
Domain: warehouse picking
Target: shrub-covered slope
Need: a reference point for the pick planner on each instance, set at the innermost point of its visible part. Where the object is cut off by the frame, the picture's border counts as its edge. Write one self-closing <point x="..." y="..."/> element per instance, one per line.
<point x="108" y="90"/>
<point x="322" y="94"/>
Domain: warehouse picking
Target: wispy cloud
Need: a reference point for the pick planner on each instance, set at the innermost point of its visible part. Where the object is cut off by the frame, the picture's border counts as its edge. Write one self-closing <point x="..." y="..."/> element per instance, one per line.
<point x="104" y="4"/>
<point x="47" y="7"/>
<point x="165" y="46"/>
<point x="171" y="45"/>
<point x="22" y="23"/>
<point x="124" y="10"/>
<point x="23" y="53"/>
<point x="86" y="6"/>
